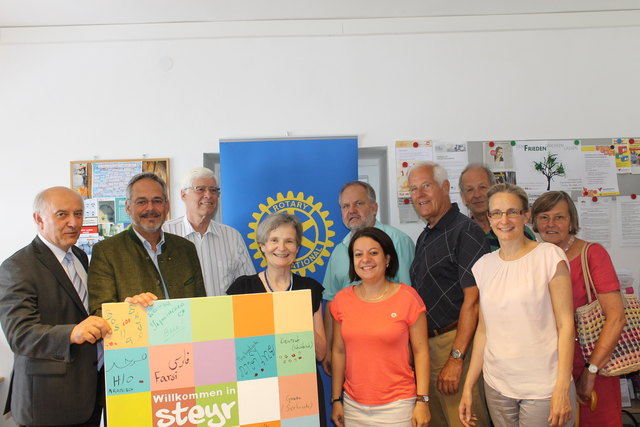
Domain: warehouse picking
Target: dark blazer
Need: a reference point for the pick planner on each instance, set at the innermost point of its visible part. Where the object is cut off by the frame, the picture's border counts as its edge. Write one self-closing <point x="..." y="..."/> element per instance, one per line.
<point x="53" y="382"/>
<point x="121" y="267"/>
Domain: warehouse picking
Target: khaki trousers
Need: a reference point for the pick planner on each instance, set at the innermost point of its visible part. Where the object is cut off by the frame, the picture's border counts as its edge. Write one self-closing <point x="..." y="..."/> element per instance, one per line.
<point x="444" y="409"/>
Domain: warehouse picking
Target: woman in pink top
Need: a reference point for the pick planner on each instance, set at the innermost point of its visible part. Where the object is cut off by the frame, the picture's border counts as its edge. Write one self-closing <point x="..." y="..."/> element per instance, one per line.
<point x="374" y="323"/>
<point x="555" y="217"/>
<point x="524" y="340"/>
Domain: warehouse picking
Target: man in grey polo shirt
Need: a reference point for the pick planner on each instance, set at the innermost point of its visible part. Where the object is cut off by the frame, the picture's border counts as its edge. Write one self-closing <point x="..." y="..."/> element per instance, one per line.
<point x="222" y="252"/>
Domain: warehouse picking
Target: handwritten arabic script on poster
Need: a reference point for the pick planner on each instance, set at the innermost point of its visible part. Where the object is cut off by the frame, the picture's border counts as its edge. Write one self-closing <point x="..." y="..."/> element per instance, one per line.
<point x="218" y="361"/>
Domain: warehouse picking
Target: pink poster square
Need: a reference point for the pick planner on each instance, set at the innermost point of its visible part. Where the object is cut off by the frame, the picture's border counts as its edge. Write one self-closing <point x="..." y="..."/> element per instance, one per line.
<point x="215" y="362"/>
<point x="171" y="366"/>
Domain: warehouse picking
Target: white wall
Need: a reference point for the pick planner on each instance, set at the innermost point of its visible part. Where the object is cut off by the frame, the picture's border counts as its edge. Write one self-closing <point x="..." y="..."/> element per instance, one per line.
<point x="103" y="93"/>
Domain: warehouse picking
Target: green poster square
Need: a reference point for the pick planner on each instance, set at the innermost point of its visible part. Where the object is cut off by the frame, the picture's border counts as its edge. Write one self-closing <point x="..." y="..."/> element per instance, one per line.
<point x="220" y="403"/>
<point x="295" y="353"/>
<point x="212" y="318"/>
<point x="169" y="322"/>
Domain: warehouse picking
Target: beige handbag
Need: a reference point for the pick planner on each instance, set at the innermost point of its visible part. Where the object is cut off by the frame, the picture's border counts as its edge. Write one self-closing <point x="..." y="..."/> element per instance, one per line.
<point x="590" y="320"/>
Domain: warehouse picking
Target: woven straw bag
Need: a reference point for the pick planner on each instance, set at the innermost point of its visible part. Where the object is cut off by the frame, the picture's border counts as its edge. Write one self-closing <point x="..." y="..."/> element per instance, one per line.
<point x="590" y="320"/>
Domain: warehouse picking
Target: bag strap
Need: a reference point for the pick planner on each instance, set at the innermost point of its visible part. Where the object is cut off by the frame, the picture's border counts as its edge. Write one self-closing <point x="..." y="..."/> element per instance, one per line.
<point x="588" y="280"/>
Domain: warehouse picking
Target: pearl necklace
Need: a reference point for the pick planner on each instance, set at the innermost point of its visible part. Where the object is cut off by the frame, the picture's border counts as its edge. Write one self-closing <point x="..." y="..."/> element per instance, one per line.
<point x="569" y="243"/>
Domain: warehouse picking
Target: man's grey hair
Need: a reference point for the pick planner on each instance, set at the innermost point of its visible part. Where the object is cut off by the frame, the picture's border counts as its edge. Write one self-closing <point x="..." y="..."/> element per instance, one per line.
<point x="147" y="175"/>
<point x="196" y="173"/>
<point x="371" y="193"/>
<point x="42" y="198"/>
<point x="439" y="173"/>
<point x="492" y="179"/>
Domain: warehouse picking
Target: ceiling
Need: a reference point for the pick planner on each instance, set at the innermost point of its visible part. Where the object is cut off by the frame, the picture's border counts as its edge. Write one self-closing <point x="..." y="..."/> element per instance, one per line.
<point x="39" y="13"/>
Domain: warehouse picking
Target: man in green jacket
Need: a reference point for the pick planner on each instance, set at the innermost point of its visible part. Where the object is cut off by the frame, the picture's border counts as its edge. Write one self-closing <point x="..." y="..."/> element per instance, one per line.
<point x="142" y="259"/>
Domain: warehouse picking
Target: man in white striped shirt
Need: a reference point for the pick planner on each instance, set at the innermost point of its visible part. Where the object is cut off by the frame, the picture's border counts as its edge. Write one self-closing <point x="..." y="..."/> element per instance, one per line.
<point x="221" y="249"/>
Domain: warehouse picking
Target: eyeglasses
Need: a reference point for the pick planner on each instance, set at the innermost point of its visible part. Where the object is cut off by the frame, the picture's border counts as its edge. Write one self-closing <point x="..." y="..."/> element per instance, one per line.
<point x="158" y="201"/>
<point x="511" y="213"/>
<point x="201" y="189"/>
<point x="544" y="219"/>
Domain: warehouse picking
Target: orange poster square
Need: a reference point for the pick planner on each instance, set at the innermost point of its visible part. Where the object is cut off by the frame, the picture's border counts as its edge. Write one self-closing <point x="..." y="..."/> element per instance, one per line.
<point x="298" y="396"/>
<point x="128" y="324"/>
<point x="253" y="315"/>
<point x="292" y="311"/>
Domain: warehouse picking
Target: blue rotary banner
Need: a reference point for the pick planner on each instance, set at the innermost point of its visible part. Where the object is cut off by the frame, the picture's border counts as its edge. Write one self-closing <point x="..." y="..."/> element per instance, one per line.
<point x="301" y="176"/>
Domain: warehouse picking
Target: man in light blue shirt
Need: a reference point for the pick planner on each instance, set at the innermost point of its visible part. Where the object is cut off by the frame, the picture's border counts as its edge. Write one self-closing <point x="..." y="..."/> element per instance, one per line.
<point x="359" y="208"/>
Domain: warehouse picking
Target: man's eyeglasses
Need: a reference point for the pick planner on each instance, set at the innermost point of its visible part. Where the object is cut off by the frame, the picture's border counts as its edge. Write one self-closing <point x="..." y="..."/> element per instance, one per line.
<point x="158" y="201"/>
<point x="511" y="213"/>
<point x="201" y="189"/>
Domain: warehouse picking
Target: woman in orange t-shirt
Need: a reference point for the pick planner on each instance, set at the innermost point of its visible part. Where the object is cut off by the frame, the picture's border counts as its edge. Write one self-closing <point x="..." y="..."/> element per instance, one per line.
<point x="374" y="323"/>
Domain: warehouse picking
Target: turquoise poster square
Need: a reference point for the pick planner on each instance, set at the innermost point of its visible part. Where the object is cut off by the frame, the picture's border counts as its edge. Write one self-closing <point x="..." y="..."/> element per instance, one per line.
<point x="310" y="421"/>
<point x="256" y="358"/>
<point x="126" y="371"/>
<point x="295" y="353"/>
<point x="169" y="322"/>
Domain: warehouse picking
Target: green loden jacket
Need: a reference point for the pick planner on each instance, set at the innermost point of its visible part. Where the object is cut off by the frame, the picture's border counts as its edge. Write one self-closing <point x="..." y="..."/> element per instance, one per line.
<point x="121" y="267"/>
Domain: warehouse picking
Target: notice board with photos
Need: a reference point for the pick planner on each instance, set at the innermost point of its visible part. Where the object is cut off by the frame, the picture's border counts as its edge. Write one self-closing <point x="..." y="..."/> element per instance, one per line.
<point x="103" y="186"/>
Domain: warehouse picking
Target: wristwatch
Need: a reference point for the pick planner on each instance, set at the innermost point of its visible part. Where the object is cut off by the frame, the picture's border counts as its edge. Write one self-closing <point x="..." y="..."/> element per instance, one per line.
<point x="457" y="354"/>
<point x="591" y="368"/>
<point x="422" y="397"/>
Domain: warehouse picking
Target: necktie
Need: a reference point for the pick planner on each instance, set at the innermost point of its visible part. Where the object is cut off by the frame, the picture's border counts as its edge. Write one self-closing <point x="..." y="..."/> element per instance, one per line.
<point x="84" y="296"/>
<point x="76" y="280"/>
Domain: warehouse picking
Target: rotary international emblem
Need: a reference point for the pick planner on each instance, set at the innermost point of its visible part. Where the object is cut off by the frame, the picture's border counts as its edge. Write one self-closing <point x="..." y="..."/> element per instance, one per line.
<point x="316" y="228"/>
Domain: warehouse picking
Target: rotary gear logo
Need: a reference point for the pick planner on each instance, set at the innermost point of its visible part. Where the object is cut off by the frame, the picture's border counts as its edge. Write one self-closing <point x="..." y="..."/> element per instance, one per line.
<point x="316" y="229"/>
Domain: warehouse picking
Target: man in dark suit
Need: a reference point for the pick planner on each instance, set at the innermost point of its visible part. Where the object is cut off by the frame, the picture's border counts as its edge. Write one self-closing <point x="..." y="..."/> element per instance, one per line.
<point x="44" y="315"/>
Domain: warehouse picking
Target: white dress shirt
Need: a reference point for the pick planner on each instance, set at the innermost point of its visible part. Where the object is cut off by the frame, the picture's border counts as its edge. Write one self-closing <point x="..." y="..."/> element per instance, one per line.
<point x="222" y="252"/>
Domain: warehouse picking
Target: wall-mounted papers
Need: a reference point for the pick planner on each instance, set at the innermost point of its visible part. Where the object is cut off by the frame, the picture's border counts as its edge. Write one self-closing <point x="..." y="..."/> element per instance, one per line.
<point x="628" y="221"/>
<point x="409" y="153"/>
<point x="600" y="178"/>
<point x="547" y="165"/>
<point x="595" y="220"/>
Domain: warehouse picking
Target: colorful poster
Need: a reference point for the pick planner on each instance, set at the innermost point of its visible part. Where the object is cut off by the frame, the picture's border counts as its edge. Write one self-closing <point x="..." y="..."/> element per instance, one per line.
<point x="227" y="361"/>
<point x="498" y="155"/>
<point x="634" y="155"/>
<point x="409" y="153"/>
<point x="301" y="176"/>
<point x="623" y="155"/>
<point x="110" y="179"/>
<point x="548" y="165"/>
<point x="600" y="178"/>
